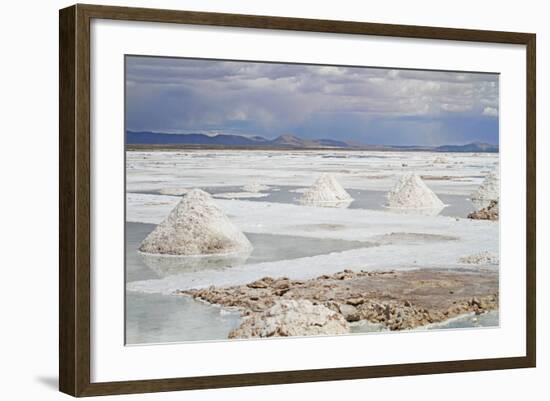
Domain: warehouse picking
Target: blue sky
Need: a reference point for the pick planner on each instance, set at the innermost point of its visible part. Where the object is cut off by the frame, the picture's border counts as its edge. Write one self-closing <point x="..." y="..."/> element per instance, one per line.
<point x="363" y="105"/>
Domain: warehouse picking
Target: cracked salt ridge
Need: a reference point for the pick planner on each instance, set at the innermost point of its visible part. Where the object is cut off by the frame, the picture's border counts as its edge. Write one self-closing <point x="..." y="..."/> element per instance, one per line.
<point x="359" y="225"/>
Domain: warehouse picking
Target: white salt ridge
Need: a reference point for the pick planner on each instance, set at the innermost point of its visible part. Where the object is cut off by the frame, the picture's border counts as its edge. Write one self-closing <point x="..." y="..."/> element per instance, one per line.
<point x="489" y="188"/>
<point x="325" y="190"/>
<point x="411" y="192"/>
<point x="196" y="227"/>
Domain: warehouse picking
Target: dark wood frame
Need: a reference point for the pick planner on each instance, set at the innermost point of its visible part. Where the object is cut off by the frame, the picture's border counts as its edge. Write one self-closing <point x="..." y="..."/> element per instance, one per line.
<point x="74" y="199"/>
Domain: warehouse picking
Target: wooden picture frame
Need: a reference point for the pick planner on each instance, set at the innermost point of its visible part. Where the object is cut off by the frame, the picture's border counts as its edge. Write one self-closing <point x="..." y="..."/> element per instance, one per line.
<point x="74" y="199"/>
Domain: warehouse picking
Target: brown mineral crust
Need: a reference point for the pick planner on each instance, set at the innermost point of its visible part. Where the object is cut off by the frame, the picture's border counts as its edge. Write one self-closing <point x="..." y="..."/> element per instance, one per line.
<point x="399" y="300"/>
<point x="490" y="212"/>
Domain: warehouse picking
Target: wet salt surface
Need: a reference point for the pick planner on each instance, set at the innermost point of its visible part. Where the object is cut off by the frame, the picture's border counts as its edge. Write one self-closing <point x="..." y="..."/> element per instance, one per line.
<point x="267" y="248"/>
<point x="154" y="318"/>
<point x="457" y="205"/>
<point x="157" y="318"/>
<point x="489" y="319"/>
<point x="162" y="318"/>
<point x="467" y="321"/>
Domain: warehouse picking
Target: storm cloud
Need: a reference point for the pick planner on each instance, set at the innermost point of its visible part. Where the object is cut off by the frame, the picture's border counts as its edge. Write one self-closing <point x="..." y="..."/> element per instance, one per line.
<point x="366" y="105"/>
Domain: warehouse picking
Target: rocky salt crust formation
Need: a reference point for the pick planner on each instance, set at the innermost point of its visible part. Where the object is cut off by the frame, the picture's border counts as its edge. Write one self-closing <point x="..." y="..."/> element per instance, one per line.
<point x="481" y="258"/>
<point x="490" y="212"/>
<point x="196" y="227"/>
<point x="326" y="190"/>
<point x="488" y="190"/>
<point x="396" y="300"/>
<point x="292" y="318"/>
<point x="411" y="192"/>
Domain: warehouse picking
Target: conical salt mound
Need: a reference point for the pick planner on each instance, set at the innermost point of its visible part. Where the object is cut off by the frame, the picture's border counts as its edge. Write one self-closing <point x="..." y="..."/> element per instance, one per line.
<point x="412" y="193"/>
<point x="489" y="188"/>
<point x="325" y="190"/>
<point x="196" y="227"/>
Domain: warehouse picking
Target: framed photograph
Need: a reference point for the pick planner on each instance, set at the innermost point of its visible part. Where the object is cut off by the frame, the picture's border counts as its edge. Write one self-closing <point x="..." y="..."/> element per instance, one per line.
<point x="250" y="200"/>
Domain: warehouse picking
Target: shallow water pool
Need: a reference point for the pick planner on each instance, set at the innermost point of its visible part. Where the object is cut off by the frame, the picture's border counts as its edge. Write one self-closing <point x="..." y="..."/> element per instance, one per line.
<point x="158" y="318"/>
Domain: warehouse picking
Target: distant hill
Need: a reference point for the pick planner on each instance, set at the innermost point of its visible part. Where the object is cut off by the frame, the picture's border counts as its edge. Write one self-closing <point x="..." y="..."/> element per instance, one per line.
<point x="157" y="138"/>
<point x="283" y="141"/>
<point x="471" y="147"/>
<point x="286" y="141"/>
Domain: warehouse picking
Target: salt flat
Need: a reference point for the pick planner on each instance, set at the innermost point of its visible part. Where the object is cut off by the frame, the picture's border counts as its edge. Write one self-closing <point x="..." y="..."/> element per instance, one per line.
<point x="150" y="171"/>
<point x="402" y="241"/>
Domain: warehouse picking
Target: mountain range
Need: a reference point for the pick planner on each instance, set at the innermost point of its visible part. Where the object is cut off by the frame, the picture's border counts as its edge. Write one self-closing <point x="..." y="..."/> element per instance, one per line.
<point x="287" y="141"/>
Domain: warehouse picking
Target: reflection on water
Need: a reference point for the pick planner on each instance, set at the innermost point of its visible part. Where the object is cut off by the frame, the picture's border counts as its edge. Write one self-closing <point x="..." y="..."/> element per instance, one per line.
<point x="167" y="265"/>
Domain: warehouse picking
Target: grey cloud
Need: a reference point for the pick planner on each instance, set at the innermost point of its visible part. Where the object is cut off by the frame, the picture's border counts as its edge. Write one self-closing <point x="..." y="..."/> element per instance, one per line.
<point x="191" y="94"/>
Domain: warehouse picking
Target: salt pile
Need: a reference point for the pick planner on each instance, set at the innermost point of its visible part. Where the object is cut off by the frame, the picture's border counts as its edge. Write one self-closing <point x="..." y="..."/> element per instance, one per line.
<point x="255" y="187"/>
<point x="441" y="160"/>
<point x="196" y="227"/>
<point x="292" y="318"/>
<point x="489" y="188"/>
<point x="325" y="190"/>
<point x="412" y="193"/>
